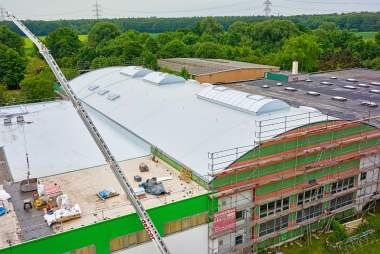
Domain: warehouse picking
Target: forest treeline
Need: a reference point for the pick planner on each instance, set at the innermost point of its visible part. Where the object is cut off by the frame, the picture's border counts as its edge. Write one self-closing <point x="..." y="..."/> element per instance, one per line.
<point x="354" y="22"/>
<point x="273" y="42"/>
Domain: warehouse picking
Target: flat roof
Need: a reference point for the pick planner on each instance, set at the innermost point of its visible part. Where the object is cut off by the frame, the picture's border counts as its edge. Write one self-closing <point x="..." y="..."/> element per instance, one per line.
<point x="186" y="128"/>
<point x="200" y="66"/>
<point x="57" y="141"/>
<point x="347" y="110"/>
<point x="95" y="179"/>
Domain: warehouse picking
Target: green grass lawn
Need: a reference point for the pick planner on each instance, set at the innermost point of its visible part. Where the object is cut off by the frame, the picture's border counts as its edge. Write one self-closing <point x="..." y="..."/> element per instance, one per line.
<point x="367" y="35"/>
<point x="319" y="246"/>
<point x="29" y="43"/>
<point x="154" y="35"/>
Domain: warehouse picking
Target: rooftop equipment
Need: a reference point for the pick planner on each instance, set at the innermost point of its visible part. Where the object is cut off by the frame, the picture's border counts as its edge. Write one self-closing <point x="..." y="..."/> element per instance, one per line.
<point x="338" y="98"/>
<point x="368" y="103"/>
<point x="102" y="91"/>
<point x="374" y="91"/>
<point x="279" y="84"/>
<point x="135" y="71"/>
<point x="352" y="80"/>
<point x="290" y="89"/>
<point x="308" y="80"/>
<point x="20" y="119"/>
<point x="375" y="83"/>
<point x="326" y="83"/>
<point x="333" y="77"/>
<point x="265" y="86"/>
<point x="295" y="67"/>
<point x="92" y="87"/>
<point x="114" y="165"/>
<point x="112" y="96"/>
<point x="313" y="93"/>
<point x="7" y="121"/>
<point x="350" y="87"/>
<point x="363" y="85"/>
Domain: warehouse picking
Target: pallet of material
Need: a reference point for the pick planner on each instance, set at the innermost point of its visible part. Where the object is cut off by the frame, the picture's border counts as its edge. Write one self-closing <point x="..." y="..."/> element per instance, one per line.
<point x="352" y="225"/>
<point x="67" y="218"/>
<point x="109" y="196"/>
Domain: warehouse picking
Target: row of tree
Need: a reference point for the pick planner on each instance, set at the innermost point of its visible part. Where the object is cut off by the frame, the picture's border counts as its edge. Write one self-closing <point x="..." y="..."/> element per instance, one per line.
<point x="354" y="22"/>
<point x="274" y="42"/>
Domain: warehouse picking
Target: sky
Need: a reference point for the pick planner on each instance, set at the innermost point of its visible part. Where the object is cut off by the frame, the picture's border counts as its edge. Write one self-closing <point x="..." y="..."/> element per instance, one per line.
<point x="83" y="9"/>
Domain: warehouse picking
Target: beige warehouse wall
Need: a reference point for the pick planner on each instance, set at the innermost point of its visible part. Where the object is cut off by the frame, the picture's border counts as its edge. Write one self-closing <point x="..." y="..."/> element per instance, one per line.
<point x="235" y="75"/>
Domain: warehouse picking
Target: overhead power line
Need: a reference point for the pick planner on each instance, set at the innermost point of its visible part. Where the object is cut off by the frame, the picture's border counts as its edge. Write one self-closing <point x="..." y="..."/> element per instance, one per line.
<point x="96" y="10"/>
<point x="187" y="10"/>
<point x="313" y="2"/>
<point x="2" y="13"/>
<point x="267" y="9"/>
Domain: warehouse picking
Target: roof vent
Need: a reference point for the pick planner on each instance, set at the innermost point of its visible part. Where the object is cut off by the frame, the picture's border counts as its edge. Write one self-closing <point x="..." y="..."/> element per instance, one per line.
<point x="326" y="83"/>
<point x="245" y="102"/>
<point x="112" y="96"/>
<point x="135" y="71"/>
<point x="338" y="98"/>
<point x="7" y="121"/>
<point x="352" y="80"/>
<point x="102" y="91"/>
<point x="374" y="91"/>
<point x="20" y="119"/>
<point x="375" y="83"/>
<point x="363" y="85"/>
<point x="92" y="87"/>
<point x="159" y="78"/>
<point x="292" y="89"/>
<point x="350" y="87"/>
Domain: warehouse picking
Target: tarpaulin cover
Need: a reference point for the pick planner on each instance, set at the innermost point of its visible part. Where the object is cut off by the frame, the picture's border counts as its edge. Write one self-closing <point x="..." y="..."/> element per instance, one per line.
<point x="4" y="195"/>
<point x="153" y="187"/>
<point x="3" y="209"/>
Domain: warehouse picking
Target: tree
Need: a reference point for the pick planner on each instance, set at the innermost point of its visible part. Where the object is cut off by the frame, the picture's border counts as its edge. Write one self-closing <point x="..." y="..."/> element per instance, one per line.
<point x="35" y="67"/>
<point x="304" y="49"/>
<point x="232" y="39"/>
<point x="132" y="49"/>
<point x="184" y="72"/>
<point x="175" y="49"/>
<point x="238" y="27"/>
<point x="377" y="37"/>
<point x="38" y="87"/>
<point x="190" y="39"/>
<point x="87" y="54"/>
<point x="3" y="94"/>
<point x="329" y="26"/>
<point x="63" y="42"/>
<point x="150" y="59"/>
<point x="273" y="32"/>
<point x="12" y="40"/>
<point x="152" y="45"/>
<point x="185" y="30"/>
<point x="206" y="37"/>
<point x="210" y="50"/>
<point x="103" y="32"/>
<point x="164" y="38"/>
<point x="210" y="26"/>
<point x="12" y="66"/>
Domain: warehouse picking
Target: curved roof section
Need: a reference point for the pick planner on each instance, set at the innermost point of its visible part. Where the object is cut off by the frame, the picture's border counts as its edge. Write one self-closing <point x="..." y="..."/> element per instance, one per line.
<point x="252" y="104"/>
<point x="135" y="71"/>
<point x="175" y="120"/>
<point x="160" y="78"/>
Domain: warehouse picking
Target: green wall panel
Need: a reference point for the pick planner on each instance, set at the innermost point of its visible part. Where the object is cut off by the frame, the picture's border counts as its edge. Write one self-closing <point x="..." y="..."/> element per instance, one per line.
<point x="100" y="233"/>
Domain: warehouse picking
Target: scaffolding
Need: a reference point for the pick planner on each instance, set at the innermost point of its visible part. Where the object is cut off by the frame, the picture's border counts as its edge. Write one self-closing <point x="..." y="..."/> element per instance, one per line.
<point x="315" y="146"/>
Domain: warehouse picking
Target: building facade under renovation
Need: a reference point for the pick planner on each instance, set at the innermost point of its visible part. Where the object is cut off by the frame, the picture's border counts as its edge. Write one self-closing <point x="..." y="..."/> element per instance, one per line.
<point x="263" y="172"/>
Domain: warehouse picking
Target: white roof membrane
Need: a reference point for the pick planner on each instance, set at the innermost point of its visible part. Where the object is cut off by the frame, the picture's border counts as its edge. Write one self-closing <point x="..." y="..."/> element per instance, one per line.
<point x="253" y="104"/>
<point x="135" y="71"/>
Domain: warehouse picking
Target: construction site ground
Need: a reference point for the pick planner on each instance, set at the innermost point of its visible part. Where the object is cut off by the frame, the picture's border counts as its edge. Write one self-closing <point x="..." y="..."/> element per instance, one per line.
<point x="319" y="245"/>
<point x="82" y="187"/>
<point x="8" y="223"/>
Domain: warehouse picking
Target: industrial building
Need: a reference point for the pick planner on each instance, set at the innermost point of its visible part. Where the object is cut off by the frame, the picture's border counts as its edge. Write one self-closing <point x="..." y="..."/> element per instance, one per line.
<point x="281" y="167"/>
<point x="217" y="70"/>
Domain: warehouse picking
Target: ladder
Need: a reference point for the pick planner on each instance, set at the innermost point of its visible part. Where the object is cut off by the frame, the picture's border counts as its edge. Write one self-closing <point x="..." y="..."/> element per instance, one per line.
<point x="156" y="157"/>
<point x="122" y="179"/>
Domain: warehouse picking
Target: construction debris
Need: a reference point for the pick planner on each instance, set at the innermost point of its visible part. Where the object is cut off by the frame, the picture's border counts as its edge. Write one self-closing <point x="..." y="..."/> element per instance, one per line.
<point x="4" y="195"/>
<point x="63" y="215"/>
<point x="153" y="187"/>
<point x="352" y="225"/>
<point x="143" y="167"/>
<point x="107" y="193"/>
<point x="2" y="208"/>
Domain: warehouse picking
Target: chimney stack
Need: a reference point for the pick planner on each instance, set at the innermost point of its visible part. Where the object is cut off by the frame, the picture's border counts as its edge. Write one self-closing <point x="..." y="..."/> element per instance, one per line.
<point x="295" y="67"/>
